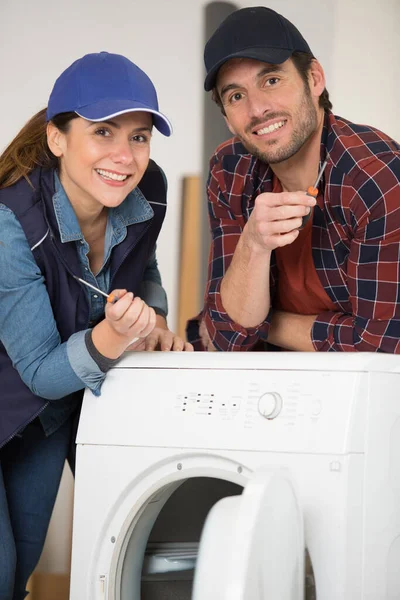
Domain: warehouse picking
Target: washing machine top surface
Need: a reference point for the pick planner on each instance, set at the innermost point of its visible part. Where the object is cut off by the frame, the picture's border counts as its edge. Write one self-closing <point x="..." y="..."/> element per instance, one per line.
<point x="271" y="361"/>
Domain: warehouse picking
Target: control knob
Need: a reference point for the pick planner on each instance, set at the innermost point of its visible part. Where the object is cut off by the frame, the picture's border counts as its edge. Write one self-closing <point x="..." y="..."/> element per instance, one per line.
<point x="270" y="405"/>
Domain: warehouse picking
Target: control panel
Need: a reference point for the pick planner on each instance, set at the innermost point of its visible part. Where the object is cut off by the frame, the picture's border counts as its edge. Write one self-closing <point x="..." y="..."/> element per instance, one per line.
<point x="230" y="408"/>
<point x="269" y="397"/>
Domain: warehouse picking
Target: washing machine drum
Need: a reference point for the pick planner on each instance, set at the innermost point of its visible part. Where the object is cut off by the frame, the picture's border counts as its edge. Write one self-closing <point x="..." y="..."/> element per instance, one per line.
<point x="252" y="545"/>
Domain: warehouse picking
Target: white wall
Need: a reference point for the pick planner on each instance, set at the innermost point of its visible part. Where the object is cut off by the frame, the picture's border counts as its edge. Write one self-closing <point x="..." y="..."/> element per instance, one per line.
<point x="366" y="69"/>
<point x="356" y="41"/>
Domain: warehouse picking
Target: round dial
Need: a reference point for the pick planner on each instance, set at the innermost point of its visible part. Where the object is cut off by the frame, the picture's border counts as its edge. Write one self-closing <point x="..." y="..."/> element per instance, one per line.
<point x="270" y="405"/>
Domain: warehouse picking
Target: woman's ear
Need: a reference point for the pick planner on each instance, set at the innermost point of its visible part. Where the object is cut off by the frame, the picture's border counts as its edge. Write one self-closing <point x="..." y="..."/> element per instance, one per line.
<point x="55" y="139"/>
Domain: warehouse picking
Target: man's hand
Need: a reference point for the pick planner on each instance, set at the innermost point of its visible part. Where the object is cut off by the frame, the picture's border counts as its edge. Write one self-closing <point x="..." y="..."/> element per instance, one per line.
<point x="276" y="220"/>
<point x="161" y="338"/>
<point x="205" y="338"/>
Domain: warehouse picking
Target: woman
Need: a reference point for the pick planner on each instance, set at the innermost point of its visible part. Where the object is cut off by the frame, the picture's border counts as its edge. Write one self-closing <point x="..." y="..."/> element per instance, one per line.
<point x="79" y="198"/>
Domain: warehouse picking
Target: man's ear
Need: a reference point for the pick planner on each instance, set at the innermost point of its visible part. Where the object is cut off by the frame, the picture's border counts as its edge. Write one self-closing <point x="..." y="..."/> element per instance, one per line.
<point x="55" y="140"/>
<point x="316" y="78"/>
<point x="229" y="126"/>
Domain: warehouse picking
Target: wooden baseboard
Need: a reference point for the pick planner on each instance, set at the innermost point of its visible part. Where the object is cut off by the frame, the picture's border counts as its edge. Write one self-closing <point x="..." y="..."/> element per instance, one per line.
<point x="48" y="586"/>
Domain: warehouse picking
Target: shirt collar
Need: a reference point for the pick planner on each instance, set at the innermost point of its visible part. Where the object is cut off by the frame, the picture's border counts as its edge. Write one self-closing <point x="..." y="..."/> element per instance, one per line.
<point x="134" y="209"/>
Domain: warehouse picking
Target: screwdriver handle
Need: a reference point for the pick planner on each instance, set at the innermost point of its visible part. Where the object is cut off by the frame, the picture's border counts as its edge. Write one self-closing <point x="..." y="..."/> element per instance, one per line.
<point x="312" y="191"/>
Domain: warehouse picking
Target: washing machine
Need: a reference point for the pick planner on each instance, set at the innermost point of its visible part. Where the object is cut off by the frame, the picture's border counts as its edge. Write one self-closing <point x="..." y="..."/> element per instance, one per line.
<point x="210" y="476"/>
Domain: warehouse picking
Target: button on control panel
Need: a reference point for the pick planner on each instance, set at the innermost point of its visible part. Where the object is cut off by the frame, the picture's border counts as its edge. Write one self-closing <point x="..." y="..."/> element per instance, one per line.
<point x="270" y="405"/>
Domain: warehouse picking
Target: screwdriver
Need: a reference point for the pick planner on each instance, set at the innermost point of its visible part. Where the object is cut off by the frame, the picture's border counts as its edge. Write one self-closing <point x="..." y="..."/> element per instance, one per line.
<point x="313" y="190"/>
<point x="110" y="297"/>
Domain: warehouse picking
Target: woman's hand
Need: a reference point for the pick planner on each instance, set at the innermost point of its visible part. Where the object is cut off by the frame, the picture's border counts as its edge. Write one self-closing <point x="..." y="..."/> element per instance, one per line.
<point x="161" y="338"/>
<point x="130" y="316"/>
<point x="126" y="319"/>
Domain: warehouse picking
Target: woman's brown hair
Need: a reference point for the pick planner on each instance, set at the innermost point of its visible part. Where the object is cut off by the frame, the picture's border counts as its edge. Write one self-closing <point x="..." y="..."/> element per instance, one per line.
<point x="29" y="148"/>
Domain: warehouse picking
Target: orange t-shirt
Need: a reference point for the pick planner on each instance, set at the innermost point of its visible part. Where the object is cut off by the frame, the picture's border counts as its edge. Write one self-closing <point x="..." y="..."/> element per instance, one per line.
<point x="299" y="288"/>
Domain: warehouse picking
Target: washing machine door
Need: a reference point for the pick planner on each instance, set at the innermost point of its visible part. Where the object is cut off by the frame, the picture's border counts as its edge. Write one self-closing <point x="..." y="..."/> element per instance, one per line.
<point x="252" y="545"/>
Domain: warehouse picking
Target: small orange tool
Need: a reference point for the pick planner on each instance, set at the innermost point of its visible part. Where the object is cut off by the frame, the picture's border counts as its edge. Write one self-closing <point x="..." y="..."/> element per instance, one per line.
<point x="313" y="190"/>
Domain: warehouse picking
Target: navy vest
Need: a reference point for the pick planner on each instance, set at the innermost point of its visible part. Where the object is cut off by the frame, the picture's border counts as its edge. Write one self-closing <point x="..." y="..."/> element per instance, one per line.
<point x="58" y="262"/>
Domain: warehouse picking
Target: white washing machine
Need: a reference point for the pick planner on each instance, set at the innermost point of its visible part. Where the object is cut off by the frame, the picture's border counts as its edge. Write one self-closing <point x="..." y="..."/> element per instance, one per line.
<point x="306" y="445"/>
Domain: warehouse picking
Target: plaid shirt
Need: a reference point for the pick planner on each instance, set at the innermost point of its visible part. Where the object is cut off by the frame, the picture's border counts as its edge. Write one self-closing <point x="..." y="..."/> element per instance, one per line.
<point x="355" y="240"/>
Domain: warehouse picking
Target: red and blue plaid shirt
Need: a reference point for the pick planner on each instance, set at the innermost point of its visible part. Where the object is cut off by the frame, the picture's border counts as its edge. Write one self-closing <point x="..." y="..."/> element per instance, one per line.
<point x="355" y="240"/>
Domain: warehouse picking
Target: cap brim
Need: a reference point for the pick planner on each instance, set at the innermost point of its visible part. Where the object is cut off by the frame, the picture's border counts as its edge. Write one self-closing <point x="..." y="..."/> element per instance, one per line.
<point x="107" y="109"/>
<point x="275" y="56"/>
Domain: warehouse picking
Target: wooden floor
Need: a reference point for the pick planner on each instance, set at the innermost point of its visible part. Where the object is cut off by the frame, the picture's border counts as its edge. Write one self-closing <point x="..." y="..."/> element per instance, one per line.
<point x="48" y="586"/>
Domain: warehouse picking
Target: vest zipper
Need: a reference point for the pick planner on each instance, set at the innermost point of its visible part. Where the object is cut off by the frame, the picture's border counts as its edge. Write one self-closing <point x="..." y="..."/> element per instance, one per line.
<point x="25" y="425"/>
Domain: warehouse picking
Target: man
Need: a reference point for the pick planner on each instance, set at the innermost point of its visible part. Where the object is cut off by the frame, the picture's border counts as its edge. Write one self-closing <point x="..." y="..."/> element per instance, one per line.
<point x="329" y="283"/>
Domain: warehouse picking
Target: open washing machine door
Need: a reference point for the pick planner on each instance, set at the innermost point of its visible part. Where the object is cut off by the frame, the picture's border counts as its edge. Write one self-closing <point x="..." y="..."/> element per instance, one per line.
<point x="252" y="545"/>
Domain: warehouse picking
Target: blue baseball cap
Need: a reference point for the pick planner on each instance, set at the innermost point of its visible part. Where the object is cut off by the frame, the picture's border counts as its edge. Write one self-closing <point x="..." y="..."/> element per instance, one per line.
<point x="100" y="86"/>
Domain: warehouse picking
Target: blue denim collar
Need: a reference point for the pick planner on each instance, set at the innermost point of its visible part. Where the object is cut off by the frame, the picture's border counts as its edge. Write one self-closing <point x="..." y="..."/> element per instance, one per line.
<point x="134" y="209"/>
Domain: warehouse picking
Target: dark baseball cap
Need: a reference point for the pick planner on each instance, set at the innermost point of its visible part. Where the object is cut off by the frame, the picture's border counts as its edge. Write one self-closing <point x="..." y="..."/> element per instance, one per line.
<point x="257" y="32"/>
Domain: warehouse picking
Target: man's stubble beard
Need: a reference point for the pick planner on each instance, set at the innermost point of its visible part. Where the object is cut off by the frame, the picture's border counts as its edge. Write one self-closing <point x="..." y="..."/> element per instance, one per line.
<point x="304" y="130"/>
